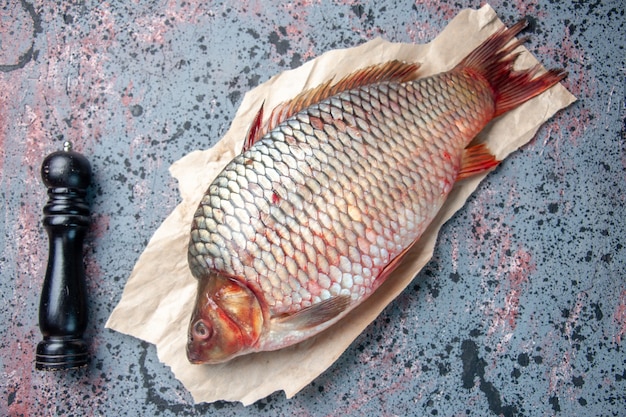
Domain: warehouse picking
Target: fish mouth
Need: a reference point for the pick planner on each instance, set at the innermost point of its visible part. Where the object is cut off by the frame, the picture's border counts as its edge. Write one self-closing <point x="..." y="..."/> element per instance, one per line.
<point x="226" y="321"/>
<point x="195" y="346"/>
<point x="196" y="352"/>
<point x="196" y="355"/>
<point x="192" y="355"/>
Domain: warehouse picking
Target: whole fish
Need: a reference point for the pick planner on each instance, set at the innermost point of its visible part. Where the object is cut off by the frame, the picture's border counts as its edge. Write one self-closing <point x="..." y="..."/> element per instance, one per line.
<point x="329" y="195"/>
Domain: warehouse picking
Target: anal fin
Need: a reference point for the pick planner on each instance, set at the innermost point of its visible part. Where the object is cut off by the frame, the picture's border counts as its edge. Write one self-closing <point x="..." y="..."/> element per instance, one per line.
<point x="476" y="160"/>
<point x="316" y="314"/>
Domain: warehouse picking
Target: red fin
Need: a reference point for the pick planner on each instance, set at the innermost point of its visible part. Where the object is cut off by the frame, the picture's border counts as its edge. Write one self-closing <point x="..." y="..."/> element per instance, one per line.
<point x="316" y="314"/>
<point x="393" y="264"/>
<point x="254" y="133"/>
<point x="390" y="71"/>
<point x="476" y="159"/>
<point x="493" y="60"/>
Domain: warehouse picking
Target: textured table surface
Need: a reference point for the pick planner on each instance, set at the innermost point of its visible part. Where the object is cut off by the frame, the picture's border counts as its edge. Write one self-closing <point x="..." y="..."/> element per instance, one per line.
<point x="522" y="310"/>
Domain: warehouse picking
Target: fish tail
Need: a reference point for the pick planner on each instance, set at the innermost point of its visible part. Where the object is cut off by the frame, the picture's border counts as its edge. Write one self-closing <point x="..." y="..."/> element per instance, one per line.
<point x="493" y="60"/>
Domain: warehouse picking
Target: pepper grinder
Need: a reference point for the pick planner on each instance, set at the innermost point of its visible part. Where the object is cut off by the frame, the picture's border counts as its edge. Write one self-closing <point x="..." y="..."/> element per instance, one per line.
<point x="63" y="304"/>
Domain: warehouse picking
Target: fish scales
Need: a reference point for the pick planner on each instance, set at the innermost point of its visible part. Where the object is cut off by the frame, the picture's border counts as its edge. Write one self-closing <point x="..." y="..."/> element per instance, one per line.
<point x="329" y="176"/>
<point x="331" y="192"/>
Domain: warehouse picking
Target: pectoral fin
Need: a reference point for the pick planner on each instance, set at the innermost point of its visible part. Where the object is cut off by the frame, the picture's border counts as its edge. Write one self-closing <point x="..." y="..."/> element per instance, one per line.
<point x="316" y="314"/>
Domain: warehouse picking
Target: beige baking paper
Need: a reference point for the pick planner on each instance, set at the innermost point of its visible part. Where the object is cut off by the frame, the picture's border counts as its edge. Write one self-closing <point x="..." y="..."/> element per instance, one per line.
<point x="158" y="298"/>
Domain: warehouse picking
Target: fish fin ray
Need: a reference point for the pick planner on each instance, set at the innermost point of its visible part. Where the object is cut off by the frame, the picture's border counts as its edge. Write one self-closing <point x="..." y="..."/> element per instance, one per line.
<point x="393" y="264"/>
<point x="392" y="71"/>
<point x="255" y="131"/>
<point x="493" y="60"/>
<point x="316" y="314"/>
<point x="476" y="159"/>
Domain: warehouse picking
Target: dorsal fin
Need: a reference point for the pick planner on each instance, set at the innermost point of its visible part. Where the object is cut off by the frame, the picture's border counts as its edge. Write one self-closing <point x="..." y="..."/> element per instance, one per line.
<point x="254" y="131"/>
<point x="392" y="71"/>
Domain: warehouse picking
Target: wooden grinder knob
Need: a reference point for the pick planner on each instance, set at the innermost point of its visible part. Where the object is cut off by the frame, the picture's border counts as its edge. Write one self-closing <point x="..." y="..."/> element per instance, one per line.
<point x="63" y="304"/>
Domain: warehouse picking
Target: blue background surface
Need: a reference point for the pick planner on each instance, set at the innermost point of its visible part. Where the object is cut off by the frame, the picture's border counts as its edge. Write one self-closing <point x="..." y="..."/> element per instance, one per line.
<point x="522" y="310"/>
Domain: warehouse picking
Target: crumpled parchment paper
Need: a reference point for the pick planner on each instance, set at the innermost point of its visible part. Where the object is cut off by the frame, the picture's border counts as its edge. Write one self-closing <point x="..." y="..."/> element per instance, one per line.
<point x="159" y="295"/>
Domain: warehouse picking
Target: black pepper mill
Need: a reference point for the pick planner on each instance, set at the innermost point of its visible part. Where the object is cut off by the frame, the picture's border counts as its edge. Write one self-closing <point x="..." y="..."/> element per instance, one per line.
<point x="63" y="305"/>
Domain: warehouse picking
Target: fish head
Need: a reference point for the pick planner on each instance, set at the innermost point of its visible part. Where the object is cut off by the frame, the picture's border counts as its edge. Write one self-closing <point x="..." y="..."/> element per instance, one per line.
<point x="226" y="321"/>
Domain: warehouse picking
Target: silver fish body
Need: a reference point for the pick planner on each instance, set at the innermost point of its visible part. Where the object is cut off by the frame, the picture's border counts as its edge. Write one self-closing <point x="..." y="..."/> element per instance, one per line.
<point x="321" y="205"/>
<point x="308" y="221"/>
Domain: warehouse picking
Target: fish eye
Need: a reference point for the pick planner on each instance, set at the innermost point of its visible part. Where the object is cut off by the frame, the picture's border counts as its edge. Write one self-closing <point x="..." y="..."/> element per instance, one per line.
<point x="201" y="330"/>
